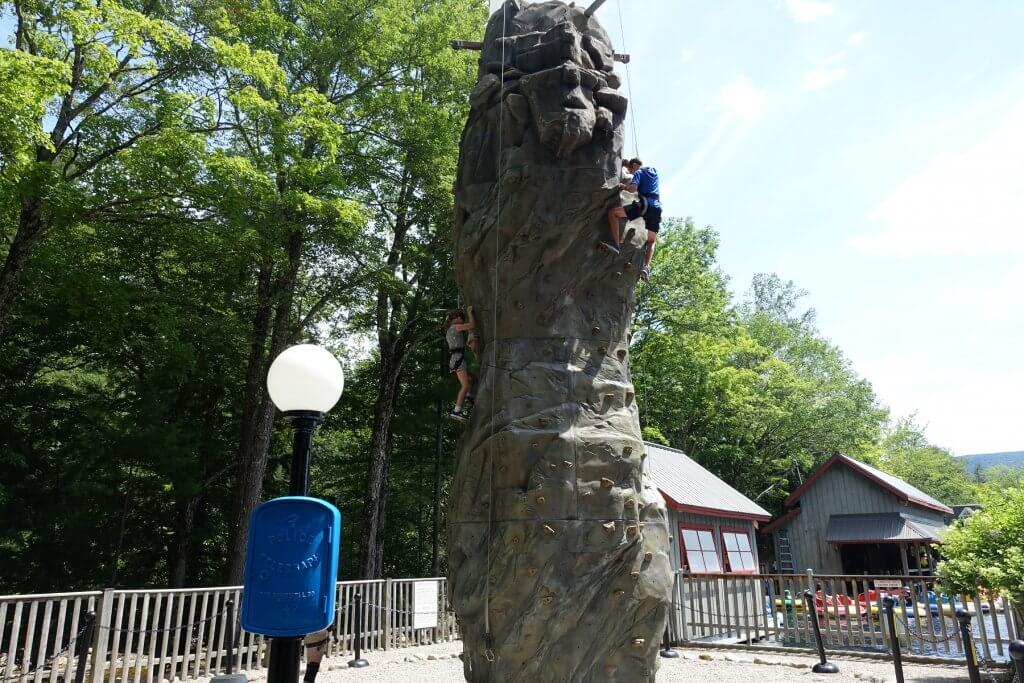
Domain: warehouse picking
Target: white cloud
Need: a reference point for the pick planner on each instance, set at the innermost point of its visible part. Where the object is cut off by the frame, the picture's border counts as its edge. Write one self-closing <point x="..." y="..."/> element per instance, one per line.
<point x="856" y="39"/>
<point x="967" y="203"/>
<point x="741" y="100"/>
<point x="739" y="106"/>
<point x="807" y="11"/>
<point x="822" y="77"/>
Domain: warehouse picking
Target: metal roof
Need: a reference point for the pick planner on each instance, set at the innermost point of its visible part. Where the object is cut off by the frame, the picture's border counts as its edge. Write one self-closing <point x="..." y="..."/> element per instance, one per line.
<point x="685" y="485"/>
<point x="897" y="486"/>
<point x="886" y="527"/>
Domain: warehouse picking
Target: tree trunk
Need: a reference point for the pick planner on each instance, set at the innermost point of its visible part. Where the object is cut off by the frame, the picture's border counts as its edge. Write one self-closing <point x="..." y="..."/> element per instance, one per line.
<point x="370" y="541"/>
<point x="558" y="561"/>
<point x="277" y="296"/>
<point x="30" y="230"/>
<point x="181" y="549"/>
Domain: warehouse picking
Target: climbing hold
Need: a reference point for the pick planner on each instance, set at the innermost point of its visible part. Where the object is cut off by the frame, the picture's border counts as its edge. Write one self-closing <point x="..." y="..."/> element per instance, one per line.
<point x="503" y="469"/>
<point x="618" y="275"/>
<point x="627" y="451"/>
<point x="609" y="527"/>
<point x="535" y="444"/>
<point x="548" y="530"/>
<point x="629" y="503"/>
<point x="648" y="556"/>
<point x="602" y="349"/>
<point x="595" y="329"/>
<point x="631" y="530"/>
<point x="540" y="500"/>
<point x="515" y="539"/>
<point x="606" y="483"/>
<point x="621" y="353"/>
<point x="532" y="571"/>
<point x="635" y="574"/>
<point x="520" y="305"/>
<point x="547" y="599"/>
<point x="628" y="266"/>
<point x="619" y="593"/>
<point x="638" y="642"/>
<point x="567" y="463"/>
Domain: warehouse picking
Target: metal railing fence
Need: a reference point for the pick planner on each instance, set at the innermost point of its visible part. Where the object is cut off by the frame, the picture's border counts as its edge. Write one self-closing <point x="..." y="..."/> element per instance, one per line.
<point x="146" y="636"/>
<point x="768" y="609"/>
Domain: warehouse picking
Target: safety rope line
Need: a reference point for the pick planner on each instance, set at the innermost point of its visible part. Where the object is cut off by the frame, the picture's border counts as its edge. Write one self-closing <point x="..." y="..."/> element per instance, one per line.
<point x="32" y="670"/>
<point x="629" y="83"/>
<point x="933" y="639"/>
<point x="488" y="637"/>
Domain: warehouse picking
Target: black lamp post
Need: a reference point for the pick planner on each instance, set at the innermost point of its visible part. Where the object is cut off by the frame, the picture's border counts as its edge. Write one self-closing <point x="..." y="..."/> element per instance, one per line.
<point x="304" y="382"/>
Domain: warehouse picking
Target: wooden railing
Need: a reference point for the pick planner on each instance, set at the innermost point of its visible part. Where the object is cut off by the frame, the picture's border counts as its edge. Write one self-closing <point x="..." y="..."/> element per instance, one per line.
<point x="769" y="609"/>
<point x="153" y="635"/>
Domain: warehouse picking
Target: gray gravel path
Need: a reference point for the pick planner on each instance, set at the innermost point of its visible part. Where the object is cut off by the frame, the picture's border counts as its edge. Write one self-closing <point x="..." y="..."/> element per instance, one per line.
<point x="414" y="665"/>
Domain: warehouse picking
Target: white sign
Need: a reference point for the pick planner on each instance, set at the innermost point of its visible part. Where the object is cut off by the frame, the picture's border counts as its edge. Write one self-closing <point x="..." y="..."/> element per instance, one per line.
<point x="882" y="583"/>
<point x="424" y="604"/>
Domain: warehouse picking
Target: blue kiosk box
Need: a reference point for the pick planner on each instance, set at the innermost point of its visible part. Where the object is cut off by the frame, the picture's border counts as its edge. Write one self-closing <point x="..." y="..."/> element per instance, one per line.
<point x="291" y="567"/>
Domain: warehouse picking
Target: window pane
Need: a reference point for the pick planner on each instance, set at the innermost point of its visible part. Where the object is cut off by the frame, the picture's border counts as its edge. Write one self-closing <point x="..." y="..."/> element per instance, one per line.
<point x="707" y="541"/>
<point x="748" y="561"/>
<point x="730" y="541"/>
<point x="690" y="540"/>
<point x="735" y="560"/>
<point x="696" y="562"/>
<point x="711" y="561"/>
<point x="743" y="541"/>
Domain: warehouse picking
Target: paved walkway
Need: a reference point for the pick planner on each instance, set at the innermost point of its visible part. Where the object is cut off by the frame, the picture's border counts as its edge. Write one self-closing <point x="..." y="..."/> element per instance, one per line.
<point x="440" y="664"/>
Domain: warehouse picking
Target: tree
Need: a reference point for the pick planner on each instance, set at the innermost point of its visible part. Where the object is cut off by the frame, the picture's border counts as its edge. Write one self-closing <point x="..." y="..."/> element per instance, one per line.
<point x="116" y="71"/>
<point x="906" y="453"/>
<point x="987" y="549"/>
<point x="751" y="391"/>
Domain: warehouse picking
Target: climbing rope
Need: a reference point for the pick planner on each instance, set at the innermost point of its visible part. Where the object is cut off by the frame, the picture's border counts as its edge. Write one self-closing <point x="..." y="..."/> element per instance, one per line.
<point x="629" y="83"/>
<point x="488" y="636"/>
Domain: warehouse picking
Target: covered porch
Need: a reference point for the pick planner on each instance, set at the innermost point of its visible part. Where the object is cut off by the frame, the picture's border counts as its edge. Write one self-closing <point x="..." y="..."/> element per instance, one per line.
<point x="885" y="543"/>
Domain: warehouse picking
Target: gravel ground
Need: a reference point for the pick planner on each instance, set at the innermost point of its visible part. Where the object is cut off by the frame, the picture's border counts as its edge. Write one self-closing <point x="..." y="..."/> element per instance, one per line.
<point x="414" y="665"/>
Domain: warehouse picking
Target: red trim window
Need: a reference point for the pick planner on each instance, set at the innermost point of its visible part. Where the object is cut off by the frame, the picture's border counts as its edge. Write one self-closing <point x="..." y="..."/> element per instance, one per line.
<point x="739" y="554"/>
<point x="697" y="550"/>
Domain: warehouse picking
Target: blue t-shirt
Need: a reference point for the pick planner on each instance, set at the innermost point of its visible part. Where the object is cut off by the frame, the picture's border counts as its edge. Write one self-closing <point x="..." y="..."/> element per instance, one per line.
<point x="646" y="181"/>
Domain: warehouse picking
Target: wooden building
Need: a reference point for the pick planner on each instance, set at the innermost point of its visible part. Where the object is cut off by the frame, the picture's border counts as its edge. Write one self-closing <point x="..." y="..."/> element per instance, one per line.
<point x="850" y="518"/>
<point x="712" y="524"/>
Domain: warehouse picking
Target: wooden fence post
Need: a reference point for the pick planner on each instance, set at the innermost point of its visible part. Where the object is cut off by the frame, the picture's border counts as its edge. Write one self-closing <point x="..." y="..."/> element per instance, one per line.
<point x="387" y="614"/>
<point x="101" y="634"/>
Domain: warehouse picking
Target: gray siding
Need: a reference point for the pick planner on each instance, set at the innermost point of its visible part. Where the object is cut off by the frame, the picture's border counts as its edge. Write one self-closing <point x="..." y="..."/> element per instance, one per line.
<point x="717" y="523"/>
<point x="839" y="491"/>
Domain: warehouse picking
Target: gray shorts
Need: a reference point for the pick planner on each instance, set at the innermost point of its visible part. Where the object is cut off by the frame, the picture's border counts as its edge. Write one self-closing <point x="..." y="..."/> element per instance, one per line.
<point x="320" y="641"/>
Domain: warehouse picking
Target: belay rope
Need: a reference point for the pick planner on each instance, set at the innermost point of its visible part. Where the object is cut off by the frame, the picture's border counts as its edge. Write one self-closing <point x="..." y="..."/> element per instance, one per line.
<point x="488" y="636"/>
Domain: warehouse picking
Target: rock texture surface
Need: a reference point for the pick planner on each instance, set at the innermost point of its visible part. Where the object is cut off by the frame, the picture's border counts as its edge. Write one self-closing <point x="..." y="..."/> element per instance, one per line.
<point x="554" y="531"/>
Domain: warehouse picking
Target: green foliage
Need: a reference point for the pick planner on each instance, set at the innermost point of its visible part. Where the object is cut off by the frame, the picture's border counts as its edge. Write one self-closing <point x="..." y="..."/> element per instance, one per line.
<point x="751" y="391"/>
<point x="987" y="549"/>
<point x="906" y="453"/>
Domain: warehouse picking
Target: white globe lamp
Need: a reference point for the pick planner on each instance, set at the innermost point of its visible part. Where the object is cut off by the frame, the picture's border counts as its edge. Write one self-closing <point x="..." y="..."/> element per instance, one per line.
<point x="305" y="378"/>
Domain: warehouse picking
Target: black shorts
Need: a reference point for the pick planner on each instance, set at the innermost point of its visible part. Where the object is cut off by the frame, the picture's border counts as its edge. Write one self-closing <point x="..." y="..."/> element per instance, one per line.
<point x="651" y="214"/>
<point x="456" y="360"/>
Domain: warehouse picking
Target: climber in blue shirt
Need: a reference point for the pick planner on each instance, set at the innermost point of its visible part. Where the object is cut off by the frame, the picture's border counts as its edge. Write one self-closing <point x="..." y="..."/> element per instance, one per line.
<point x="644" y="183"/>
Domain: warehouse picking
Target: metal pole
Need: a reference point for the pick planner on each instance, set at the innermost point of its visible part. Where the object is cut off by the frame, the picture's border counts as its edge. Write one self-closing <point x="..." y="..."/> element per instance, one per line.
<point x="358" y="662"/>
<point x="964" y="617"/>
<point x="666" y="646"/>
<point x="593" y="7"/>
<point x="83" y="645"/>
<point x="824" y="666"/>
<point x="1017" y="655"/>
<point x="894" y="640"/>
<point x="435" y="559"/>
<point x="231" y="636"/>
<point x="286" y="653"/>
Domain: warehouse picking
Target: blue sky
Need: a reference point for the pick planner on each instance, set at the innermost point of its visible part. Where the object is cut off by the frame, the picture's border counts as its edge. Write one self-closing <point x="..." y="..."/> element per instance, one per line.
<point x="871" y="151"/>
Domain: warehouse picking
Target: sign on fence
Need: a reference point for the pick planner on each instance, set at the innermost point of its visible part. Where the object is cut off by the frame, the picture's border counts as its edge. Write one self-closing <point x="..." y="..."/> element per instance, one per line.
<point x="886" y="584"/>
<point x="291" y="566"/>
<point x="424" y="604"/>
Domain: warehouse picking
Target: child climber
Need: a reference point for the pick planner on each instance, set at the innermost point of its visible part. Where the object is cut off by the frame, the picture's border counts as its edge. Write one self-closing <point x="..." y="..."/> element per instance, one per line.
<point x="455" y="334"/>
<point x="643" y="181"/>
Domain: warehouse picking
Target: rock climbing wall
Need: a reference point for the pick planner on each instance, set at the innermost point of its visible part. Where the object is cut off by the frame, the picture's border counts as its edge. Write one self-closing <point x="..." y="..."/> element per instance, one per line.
<point x="552" y="522"/>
